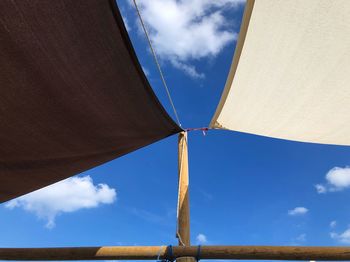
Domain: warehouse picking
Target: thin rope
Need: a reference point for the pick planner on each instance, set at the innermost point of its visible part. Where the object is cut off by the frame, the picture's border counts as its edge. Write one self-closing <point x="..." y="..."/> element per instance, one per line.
<point x="203" y="129"/>
<point x="159" y="253"/>
<point x="179" y="238"/>
<point x="157" y="63"/>
<point x="197" y="128"/>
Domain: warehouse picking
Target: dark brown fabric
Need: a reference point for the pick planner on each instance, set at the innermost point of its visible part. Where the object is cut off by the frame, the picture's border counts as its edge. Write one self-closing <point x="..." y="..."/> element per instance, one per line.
<point x="73" y="94"/>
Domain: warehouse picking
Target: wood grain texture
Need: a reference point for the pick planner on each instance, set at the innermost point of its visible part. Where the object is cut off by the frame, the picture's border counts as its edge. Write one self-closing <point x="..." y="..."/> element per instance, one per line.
<point x="183" y="212"/>
<point x="151" y="253"/>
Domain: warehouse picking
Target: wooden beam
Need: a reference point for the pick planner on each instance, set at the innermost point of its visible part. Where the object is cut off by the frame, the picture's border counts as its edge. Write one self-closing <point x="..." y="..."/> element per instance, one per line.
<point x="152" y="252"/>
<point x="183" y="205"/>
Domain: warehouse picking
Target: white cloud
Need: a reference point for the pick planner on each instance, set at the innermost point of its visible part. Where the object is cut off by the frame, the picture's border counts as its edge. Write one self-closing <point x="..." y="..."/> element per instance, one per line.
<point x="333" y="224"/>
<point x="343" y="237"/>
<point x="126" y="23"/>
<point x="337" y="178"/>
<point x="301" y="238"/>
<point x="163" y="218"/>
<point x="66" y="196"/>
<point x="298" y="211"/>
<point x="201" y="239"/>
<point x="188" y="69"/>
<point x="186" y="30"/>
<point x="145" y="71"/>
<point x="321" y="189"/>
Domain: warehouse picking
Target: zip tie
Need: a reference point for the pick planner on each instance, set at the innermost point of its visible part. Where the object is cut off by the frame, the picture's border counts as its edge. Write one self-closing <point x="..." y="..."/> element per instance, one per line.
<point x="198" y="253"/>
<point x="170" y="253"/>
<point x="157" y="63"/>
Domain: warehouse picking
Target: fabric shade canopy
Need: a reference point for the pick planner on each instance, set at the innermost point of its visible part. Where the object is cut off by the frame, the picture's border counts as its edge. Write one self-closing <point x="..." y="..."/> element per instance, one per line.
<point x="290" y="75"/>
<point x="73" y="94"/>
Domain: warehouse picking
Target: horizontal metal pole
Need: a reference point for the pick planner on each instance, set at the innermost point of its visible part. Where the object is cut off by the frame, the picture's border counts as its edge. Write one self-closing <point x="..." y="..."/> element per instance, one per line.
<point x="171" y="253"/>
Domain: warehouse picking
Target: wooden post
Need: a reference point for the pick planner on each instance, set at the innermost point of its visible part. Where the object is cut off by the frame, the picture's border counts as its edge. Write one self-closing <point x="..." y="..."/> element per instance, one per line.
<point x="162" y="252"/>
<point x="183" y="206"/>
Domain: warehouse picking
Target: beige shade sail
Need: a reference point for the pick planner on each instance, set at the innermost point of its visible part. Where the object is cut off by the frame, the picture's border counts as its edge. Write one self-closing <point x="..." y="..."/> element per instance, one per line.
<point x="290" y="75"/>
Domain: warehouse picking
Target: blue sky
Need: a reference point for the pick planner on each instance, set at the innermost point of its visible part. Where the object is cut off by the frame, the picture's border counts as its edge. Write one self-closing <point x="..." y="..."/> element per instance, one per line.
<point x="244" y="189"/>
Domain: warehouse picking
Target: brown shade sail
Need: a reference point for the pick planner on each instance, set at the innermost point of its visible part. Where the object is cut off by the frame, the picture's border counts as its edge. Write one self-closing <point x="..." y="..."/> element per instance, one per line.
<point x="73" y="94"/>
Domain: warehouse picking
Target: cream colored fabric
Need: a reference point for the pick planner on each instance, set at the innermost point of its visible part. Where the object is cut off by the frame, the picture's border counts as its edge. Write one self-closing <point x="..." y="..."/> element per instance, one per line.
<point x="292" y="80"/>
